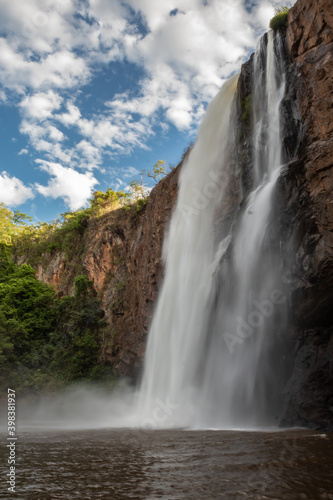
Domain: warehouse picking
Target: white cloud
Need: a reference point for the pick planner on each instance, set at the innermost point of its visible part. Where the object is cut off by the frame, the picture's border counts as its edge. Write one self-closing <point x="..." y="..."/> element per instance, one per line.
<point x="76" y="188"/>
<point x="130" y="172"/>
<point x="46" y="138"/>
<point x="71" y="117"/>
<point x="90" y="154"/>
<point x="55" y="134"/>
<point x="264" y="13"/>
<point x="40" y="105"/>
<point x="12" y="191"/>
<point x="62" y="69"/>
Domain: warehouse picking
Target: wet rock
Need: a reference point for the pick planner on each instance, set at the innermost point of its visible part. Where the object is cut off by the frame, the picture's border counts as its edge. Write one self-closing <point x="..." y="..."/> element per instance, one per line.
<point x="305" y="190"/>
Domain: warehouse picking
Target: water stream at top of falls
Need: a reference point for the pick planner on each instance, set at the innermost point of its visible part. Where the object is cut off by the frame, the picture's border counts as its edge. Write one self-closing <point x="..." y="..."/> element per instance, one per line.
<point x="210" y="357"/>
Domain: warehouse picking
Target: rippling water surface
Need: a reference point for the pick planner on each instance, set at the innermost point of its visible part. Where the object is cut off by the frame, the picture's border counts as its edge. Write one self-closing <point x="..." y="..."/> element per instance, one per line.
<point x="172" y="464"/>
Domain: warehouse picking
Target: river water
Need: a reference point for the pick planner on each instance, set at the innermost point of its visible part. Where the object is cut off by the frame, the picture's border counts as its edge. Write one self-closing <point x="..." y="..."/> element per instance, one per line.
<point x="171" y="464"/>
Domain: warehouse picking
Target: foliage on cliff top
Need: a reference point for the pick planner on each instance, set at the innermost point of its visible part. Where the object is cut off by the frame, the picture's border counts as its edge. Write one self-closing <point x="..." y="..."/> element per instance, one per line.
<point x="109" y="200"/>
<point x="158" y="171"/>
<point x="11" y="223"/>
<point x="65" y="234"/>
<point x="280" y="20"/>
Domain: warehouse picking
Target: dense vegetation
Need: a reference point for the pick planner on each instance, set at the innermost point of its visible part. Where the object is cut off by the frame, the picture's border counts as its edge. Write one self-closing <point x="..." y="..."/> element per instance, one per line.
<point x="45" y="341"/>
<point x="280" y="20"/>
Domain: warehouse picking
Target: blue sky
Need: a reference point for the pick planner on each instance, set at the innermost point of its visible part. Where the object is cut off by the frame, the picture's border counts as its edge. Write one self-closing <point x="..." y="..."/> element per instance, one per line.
<point x="94" y="91"/>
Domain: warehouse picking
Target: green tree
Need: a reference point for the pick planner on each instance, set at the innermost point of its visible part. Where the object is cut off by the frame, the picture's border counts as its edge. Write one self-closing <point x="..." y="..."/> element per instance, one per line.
<point x="5" y="345"/>
<point x="158" y="171"/>
<point x="111" y="199"/>
<point x="138" y="190"/>
<point x="43" y="339"/>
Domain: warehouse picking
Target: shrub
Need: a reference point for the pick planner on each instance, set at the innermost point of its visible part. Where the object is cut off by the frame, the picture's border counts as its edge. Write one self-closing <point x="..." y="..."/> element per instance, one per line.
<point x="141" y="203"/>
<point x="11" y="223"/>
<point x="280" y="20"/>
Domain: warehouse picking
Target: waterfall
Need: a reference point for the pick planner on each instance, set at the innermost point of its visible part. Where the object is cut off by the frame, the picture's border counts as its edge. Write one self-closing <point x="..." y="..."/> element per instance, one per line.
<point x="211" y="357"/>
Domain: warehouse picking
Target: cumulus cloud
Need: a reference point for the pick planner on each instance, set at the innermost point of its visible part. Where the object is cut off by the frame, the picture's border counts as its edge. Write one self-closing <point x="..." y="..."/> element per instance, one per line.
<point x="40" y="105"/>
<point x="89" y="153"/>
<point x="45" y="138"/>
<point x="62" y="69"/>
<point x="71" y="116"/>
<point x="131" y="172"/>
<point x="12" y="191"/>
<point x="50" y="50"/>
<point x="75" y="187"/>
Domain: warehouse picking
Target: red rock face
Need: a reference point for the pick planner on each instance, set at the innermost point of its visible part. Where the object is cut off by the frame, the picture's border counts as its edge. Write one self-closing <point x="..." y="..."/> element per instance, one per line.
<point x="143" y="270"/>
<point x="121" y="253"/>
<point x="310" y="43"/>
<point x="309" y="25"/>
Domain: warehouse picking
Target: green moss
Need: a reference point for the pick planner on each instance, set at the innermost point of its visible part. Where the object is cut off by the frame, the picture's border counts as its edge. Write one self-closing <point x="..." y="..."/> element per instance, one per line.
<point x="280" y="20"/>
<point x="246" y="109"/>
<point x="120" y="286"/>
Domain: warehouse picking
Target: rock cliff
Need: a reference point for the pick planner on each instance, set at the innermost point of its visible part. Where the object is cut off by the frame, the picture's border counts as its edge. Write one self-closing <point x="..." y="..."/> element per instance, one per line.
<point x="308" y="208"/>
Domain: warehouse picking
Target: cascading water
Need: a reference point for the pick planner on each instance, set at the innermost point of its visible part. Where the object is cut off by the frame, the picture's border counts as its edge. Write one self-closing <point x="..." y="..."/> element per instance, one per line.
<point x="210" y="353"/>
